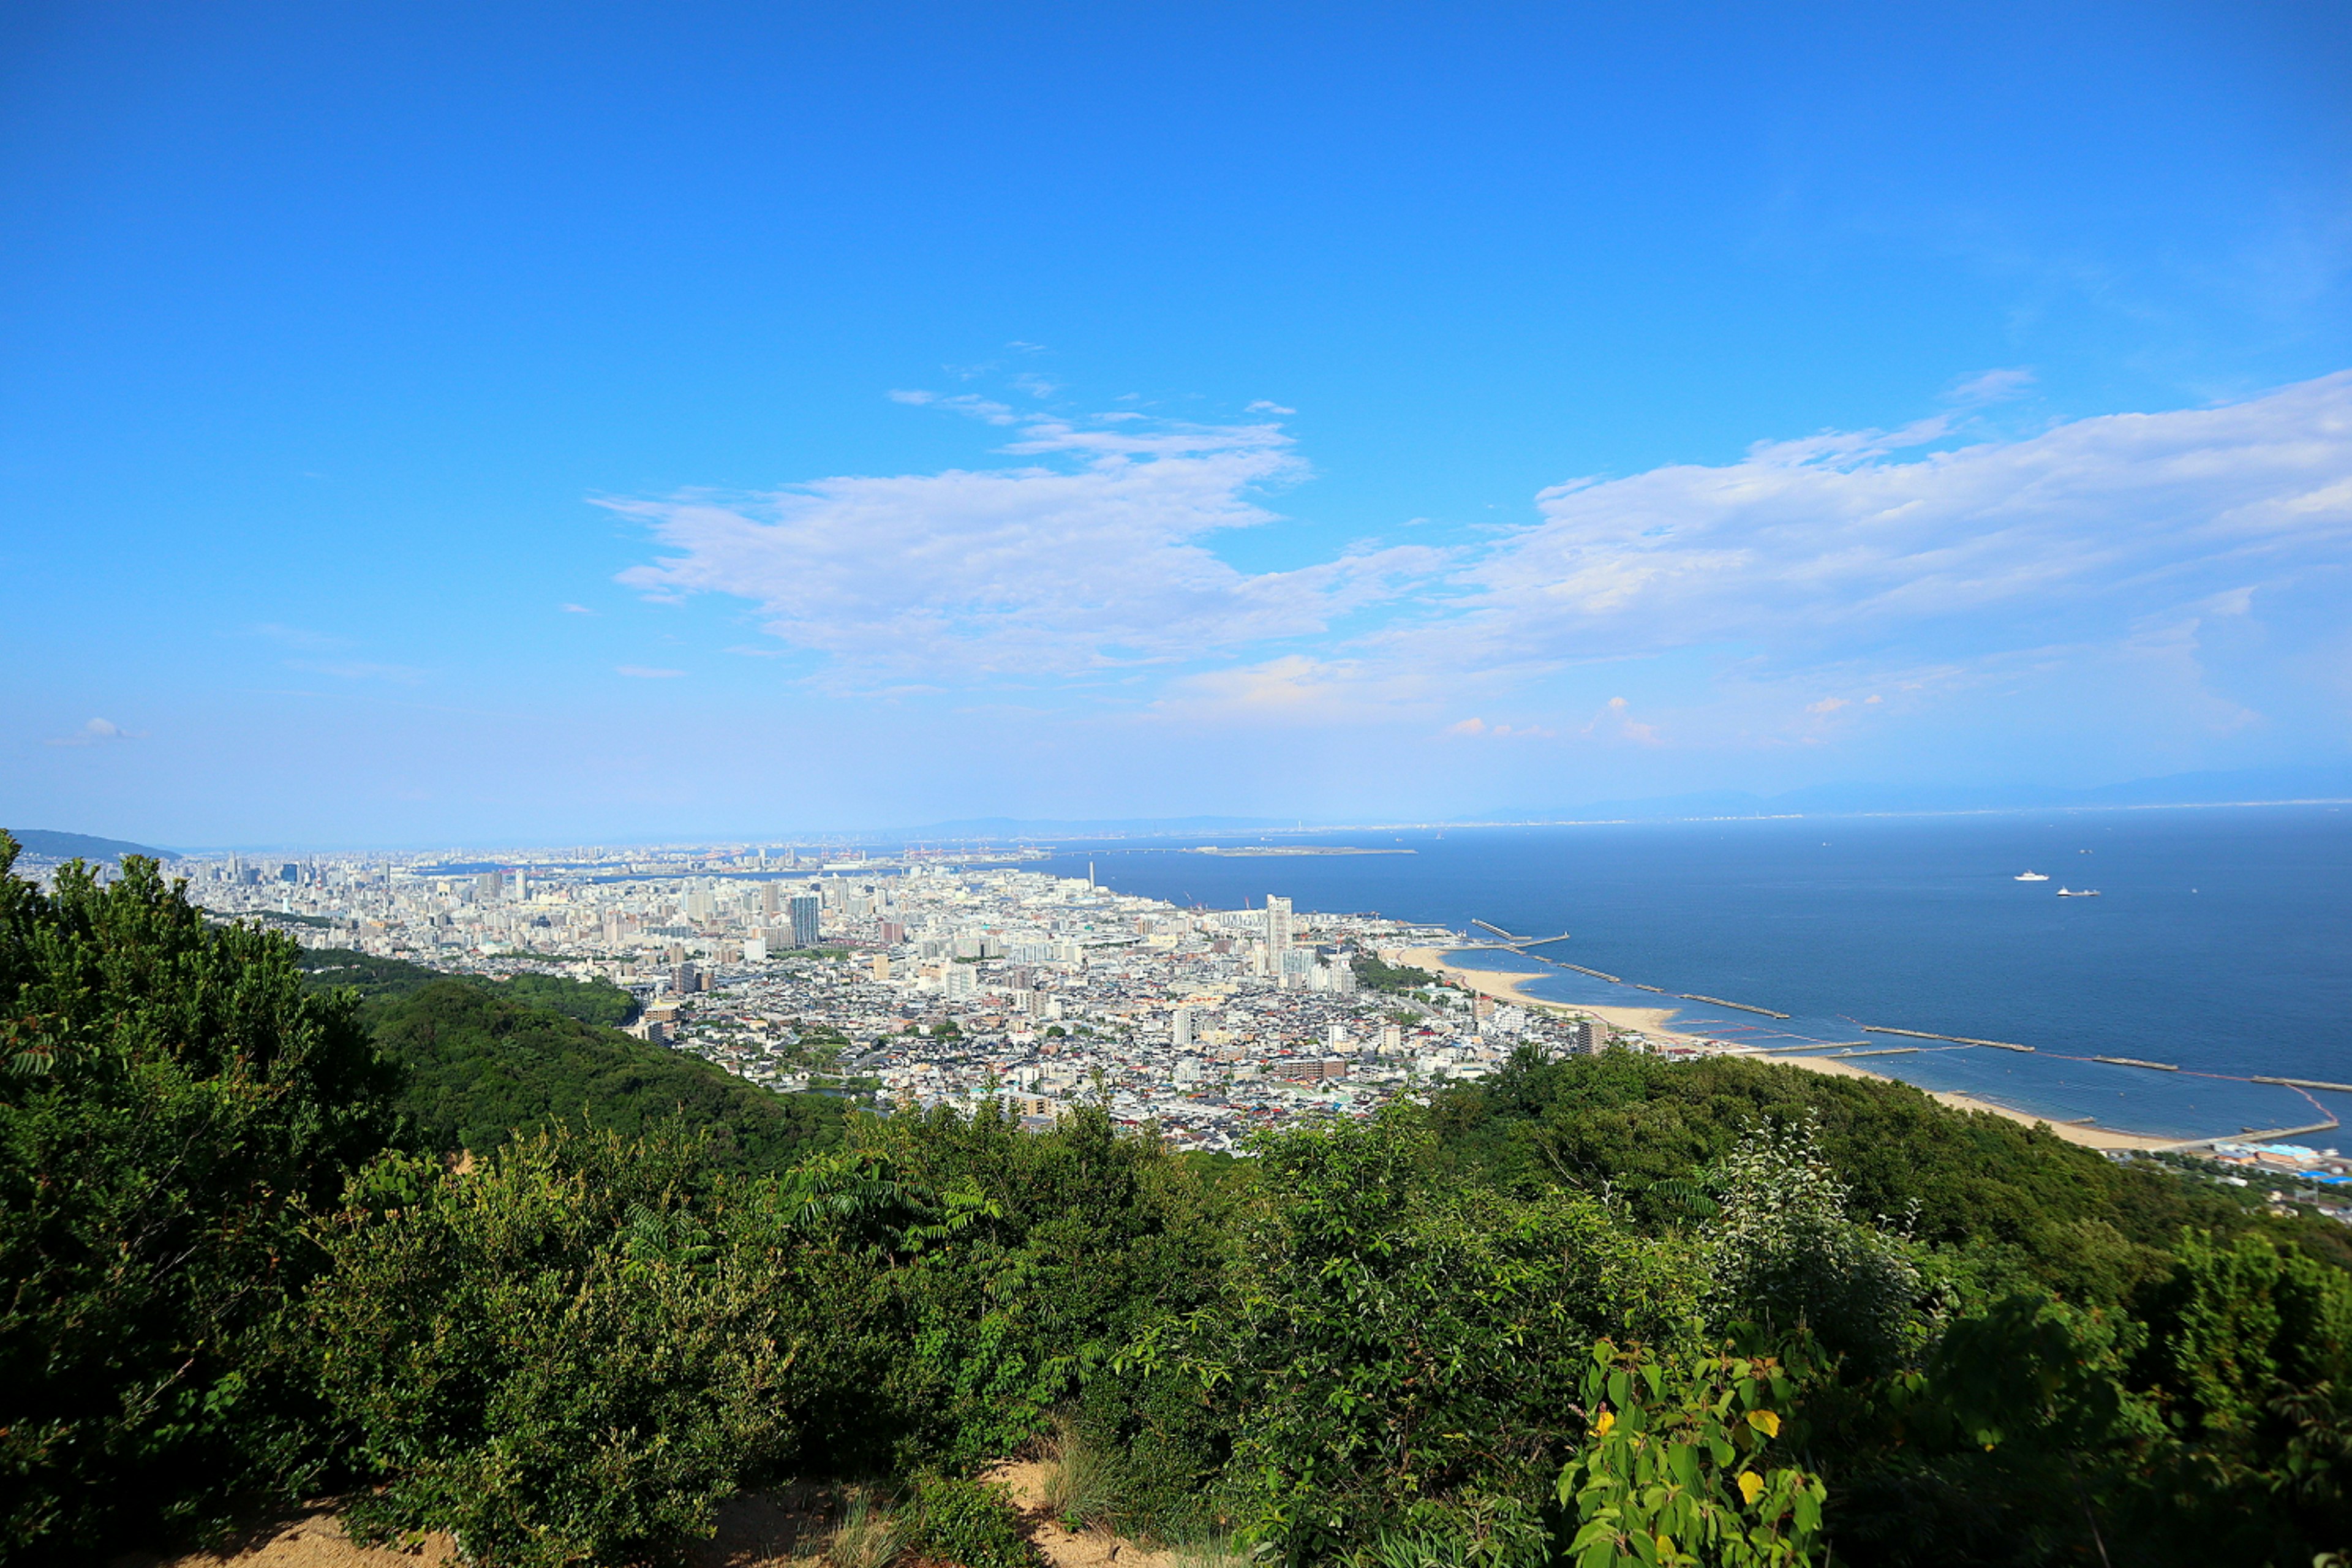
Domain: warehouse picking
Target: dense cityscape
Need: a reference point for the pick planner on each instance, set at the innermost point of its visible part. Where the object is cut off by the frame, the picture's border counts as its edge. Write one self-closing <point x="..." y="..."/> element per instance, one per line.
<point x="920" y="979"/>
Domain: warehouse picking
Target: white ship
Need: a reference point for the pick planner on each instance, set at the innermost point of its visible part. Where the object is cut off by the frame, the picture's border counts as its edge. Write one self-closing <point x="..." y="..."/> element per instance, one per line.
<point x="2033" y="876"/>
<point x="2078" y="892"/>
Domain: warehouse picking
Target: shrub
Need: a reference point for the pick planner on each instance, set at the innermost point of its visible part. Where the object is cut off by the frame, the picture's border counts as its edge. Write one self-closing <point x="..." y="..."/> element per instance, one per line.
<point x="557" y="1357"/>
<point x="970" y="1524"/>
<point x="1678" y="1468"/>
<point x="173" y="1104"/>
<point x="1786" y="1254"/>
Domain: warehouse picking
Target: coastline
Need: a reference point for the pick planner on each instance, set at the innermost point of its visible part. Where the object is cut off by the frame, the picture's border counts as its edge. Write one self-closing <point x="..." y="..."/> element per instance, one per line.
<point x="1655" y="1021"/>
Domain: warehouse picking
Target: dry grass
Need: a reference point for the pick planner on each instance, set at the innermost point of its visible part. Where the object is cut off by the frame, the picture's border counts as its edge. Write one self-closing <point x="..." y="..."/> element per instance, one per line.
<point x="869" y="1536"/>
<point x="1078" y="1485"/>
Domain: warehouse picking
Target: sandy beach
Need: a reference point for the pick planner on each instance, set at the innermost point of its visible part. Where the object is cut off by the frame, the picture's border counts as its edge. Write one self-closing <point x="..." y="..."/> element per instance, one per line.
<point x="1655" y="1021"/>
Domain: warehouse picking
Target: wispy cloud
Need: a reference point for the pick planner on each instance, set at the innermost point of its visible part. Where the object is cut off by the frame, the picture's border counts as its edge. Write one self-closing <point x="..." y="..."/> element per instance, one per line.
<point x="1991" y="386"/>
<point x="1813" y="547"/>
<point x="1928" y="564"/>
<point x="1096" y="557"/>
<point x="96" y="733"/>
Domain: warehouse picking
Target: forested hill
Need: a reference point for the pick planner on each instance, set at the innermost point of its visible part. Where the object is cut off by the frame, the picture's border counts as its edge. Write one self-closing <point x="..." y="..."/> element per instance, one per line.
<point x="2031" y="1208"/>
<point x="380" y="981"/>
<point x="484" y="1060"/>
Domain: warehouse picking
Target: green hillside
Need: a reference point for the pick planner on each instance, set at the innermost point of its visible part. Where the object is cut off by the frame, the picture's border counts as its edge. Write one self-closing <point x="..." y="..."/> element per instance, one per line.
<point x="480" y="1067"/>
<point x="483" y="1058"/>
<point x="380" y="981"/>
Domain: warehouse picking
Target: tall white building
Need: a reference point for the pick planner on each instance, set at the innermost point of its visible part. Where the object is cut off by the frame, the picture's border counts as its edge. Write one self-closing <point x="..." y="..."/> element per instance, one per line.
<point x="1277" y="924"/>
<point x="1180" y="1028"/>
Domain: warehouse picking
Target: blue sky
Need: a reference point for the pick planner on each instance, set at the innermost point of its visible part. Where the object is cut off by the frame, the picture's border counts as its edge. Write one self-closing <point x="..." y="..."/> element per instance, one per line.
<point x="479" y="423"/>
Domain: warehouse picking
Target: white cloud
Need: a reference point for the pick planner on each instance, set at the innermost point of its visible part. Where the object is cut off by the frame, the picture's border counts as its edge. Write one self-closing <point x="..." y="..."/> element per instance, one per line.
<point x="97" y="732"/>
<point x="576" y="610"/>
<point x="1991" y="386"/>
<point x="1821" y="547"/>
<point x="1263" y="406"/>
<point x="1770" y="600"/>
<point x="1094" y="558"/>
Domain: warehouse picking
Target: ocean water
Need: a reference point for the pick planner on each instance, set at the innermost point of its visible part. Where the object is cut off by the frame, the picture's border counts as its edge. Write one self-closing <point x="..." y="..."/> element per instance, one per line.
<point x="2221" y="940"/>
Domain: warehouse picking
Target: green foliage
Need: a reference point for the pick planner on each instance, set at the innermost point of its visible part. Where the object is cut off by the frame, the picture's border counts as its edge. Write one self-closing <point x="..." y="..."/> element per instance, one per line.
<point x="1394" y="1352"/>
<point x="2249" y="1362"/>
<point x="174" y="1104"/>
<point x="591" y="1002"/>
<point x="558" y="1357"/>
<point x="1608" y="1310"/>
<point x="1373" y="974"/>
<point x="1785" y="1253"/>
<point x="970" y="1524"/>
<point x="1075" y="1237"/>
<point x="2029" y="1209"/>
<point x="1678" y="1471"/>
<point x="481" y="1068"/>
<point x="380" y="979"/>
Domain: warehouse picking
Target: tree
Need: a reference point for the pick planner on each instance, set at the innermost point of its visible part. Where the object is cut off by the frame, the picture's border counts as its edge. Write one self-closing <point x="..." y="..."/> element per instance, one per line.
<point x="560" y="1356"/>
<point x="174" y="1104"/>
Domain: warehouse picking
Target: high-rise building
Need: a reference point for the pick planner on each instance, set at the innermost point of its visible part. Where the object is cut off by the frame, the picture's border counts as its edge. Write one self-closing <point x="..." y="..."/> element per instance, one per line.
<point x="486" y="887"/>
<point x="805" y="912"/>
<point x="1586" y="1036"/>
<point x="1180" y="1028"/>
<point x="771" y="899"/>
<point x="1277" y="924"/>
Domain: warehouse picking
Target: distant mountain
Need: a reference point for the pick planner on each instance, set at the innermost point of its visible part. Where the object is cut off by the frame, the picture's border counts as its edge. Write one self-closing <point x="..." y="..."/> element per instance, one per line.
<point x="2324" y="782"/>
<point x="51" y="844"/>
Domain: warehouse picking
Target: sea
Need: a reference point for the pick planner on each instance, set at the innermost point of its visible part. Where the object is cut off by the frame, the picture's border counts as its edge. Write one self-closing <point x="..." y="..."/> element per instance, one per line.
<point x="2220" y="942"/>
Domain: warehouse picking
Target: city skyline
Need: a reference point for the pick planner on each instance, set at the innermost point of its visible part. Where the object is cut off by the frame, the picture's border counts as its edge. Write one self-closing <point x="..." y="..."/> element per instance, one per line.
<point x="428" y="429"/>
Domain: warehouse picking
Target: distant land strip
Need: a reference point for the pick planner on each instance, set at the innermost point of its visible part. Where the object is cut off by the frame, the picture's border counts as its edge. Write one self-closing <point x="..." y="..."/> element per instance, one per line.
<point x="1293" y="850"/>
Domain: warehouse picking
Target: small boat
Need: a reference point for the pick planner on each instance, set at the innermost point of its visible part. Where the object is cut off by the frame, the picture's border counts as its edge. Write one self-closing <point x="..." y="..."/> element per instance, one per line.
<point x="2033" y="876"/>
<point x="2078" y="892"/>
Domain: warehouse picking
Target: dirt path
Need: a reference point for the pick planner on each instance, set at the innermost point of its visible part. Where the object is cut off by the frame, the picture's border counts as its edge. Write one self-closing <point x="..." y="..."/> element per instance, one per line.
<point x="790" y="1527"/>
<point x="313" y="1538"/>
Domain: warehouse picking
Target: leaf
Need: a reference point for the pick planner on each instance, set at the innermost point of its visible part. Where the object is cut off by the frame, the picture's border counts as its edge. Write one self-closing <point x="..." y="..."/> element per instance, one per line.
<point x="1751" y="1486"/>
<point x="1766" y="1422"/>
